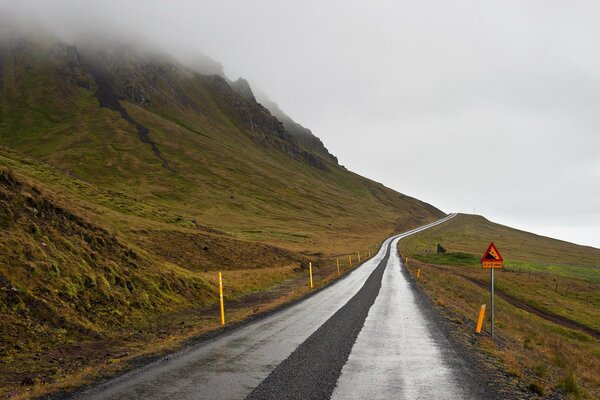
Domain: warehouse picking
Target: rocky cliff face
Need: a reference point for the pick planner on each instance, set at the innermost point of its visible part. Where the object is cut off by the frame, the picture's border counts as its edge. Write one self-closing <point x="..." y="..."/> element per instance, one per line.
<point x="242" y="87"/>
<point x="139" y="120"/>
<point x="258" y="119"/>
<point x="303" y="135"/>
<point x="157" y="82"/>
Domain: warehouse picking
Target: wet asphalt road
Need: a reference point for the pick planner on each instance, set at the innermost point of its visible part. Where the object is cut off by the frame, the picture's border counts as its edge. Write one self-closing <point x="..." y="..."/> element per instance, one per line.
<point x="311" y="371"/>
<point x="364" y="337"/>
<point x="401" y="353"/>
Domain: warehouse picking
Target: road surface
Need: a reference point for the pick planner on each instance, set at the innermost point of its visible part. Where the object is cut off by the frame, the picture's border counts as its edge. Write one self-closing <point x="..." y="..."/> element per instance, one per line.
<point x="364" y="337"/>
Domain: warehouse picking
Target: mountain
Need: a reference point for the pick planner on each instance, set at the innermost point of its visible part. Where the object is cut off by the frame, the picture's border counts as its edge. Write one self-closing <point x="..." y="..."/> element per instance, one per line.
<point x="127" y="179"/>
<point x="145" y="125"/>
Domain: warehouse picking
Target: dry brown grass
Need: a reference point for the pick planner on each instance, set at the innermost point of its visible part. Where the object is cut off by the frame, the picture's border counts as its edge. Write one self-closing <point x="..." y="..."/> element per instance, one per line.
<point x="248" y="292"/>
<point x="546" y="357"/>
<point x="77" y="298"/>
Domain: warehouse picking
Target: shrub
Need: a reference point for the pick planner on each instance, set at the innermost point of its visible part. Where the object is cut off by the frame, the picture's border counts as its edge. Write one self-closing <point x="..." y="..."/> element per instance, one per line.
<point x="8" y="177"/>
<point x="536" y="388"/>
<point x="570" y="385"/>
<point x="540" y="370"/>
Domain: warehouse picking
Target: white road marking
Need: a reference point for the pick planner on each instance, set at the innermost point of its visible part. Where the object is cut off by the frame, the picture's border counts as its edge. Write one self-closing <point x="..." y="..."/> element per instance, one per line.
<point x="395" y="354"/>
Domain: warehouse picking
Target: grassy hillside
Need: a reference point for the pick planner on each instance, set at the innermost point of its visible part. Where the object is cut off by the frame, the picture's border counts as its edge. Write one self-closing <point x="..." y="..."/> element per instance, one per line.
<point x="188" y="145"/>
<point x="547" y="303"/>
<point x="75" y="291"/>
<point x="92" y="279"/>
<point x="472" y="233"/>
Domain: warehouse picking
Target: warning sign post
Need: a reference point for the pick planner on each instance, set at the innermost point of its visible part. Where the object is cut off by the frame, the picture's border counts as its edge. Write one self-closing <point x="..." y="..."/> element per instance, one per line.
<point x="492" y="260"/>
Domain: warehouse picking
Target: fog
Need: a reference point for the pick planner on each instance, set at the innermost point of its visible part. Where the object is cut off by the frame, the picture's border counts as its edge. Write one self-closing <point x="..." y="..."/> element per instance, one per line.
<point x="485" y="107"/>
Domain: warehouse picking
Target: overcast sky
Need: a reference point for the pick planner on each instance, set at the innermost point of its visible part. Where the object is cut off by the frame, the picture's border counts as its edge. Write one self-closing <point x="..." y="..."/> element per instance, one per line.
<point x="473" y="106"/>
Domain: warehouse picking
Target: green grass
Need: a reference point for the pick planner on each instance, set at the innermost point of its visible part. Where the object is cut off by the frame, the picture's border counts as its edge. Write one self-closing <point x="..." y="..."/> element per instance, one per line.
<point x="220" y="176"/>
<point x="529" y="349"/>
<point x="67" y="280"/>
<point x="589" y="273"/>
<point x="449" y="258"/>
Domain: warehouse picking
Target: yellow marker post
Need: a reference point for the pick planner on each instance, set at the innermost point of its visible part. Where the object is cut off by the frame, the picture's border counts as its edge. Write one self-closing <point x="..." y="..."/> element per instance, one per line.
<point x="358" y="254"/>
<point x="350" y="260"/>
<point x="418" y="272"/>
<point x="480" y="320"/>
<point x="221" y="299"/>
<point x="337" y="261"/>
<point x="310" y="272"/>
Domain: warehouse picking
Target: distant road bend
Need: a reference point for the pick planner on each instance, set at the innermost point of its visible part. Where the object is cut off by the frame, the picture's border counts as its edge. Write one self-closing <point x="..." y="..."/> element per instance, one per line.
<point x="367" y="336"/>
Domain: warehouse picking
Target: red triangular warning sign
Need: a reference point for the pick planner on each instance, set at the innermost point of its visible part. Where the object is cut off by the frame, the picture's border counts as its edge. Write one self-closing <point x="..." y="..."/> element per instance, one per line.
<point x="491" y="254"/>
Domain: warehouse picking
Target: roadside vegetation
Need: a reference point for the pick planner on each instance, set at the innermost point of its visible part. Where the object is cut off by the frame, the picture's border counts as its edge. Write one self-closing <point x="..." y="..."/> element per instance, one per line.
<point x="547" y="303"/>
<point x="74" y="295"/>
<point x="88" y="290"/>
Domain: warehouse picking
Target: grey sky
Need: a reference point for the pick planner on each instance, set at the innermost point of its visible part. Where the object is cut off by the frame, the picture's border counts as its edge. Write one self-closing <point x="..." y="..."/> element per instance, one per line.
<point x="469" y="105"/>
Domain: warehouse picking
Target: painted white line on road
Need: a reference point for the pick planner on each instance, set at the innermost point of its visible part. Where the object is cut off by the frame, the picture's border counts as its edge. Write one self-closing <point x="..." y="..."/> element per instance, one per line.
<point x="395" y="354"/>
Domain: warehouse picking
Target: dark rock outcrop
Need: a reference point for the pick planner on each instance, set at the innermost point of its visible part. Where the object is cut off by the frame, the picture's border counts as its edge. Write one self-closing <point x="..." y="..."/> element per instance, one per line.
<point x="303" y="136"/>
<point x="257" y="119"/>
<point x="242" y="87"/>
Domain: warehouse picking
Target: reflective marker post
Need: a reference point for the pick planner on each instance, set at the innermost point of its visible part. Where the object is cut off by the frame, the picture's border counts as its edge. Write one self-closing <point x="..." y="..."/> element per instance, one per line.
<point x="221" y="299"/>
<point x="480" y="319"/>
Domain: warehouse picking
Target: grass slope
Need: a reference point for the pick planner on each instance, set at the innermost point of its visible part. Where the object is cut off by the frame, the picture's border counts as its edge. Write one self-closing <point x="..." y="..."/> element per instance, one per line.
<point x="472" y="234"/>
<point x="544" y="278"/>
<point x="75" y="292"/>
<point x="231" y="166"/>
